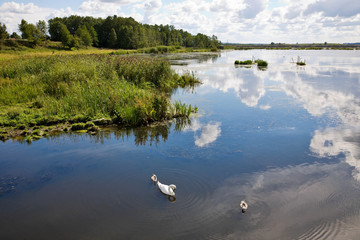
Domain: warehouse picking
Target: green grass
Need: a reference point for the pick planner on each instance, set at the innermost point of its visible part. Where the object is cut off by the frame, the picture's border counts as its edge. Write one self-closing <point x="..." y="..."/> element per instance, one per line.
<point x="57" y="89"/>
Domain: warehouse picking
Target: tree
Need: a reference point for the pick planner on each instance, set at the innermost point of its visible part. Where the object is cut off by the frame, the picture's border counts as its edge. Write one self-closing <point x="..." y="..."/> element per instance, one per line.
<point x="15" y="35"/>
<point x="112" y="39"/>
<point x="84" y="36"/>
<point x="94" y="35"/>
<point x="40" y="30"/>
<point x="55" y="29"/>
<point x="65" y="36"/>
<point x="27" y="30"/>
<point x="3" y="33"/>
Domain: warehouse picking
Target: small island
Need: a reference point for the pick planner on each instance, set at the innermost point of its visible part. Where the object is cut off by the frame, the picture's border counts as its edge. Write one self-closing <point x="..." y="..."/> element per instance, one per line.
<point x="259" y="62"/>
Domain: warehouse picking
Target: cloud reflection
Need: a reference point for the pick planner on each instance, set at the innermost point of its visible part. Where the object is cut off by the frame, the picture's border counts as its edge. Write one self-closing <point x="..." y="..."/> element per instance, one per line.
<point x="248" y="83"/>
<point x="209" y="132"/>
<point x="297" y="202"/>
<point x="338" y="103"/>
<point x="332" y="142"/>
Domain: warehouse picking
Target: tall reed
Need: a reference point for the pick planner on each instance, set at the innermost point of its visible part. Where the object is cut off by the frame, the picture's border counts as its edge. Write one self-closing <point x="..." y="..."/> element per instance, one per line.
<point x="49" y="90"/>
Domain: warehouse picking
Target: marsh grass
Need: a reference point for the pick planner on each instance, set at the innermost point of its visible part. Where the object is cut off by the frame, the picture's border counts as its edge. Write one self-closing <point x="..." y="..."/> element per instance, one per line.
<point x="260" y="63"/>
<point x="78" y="88"/>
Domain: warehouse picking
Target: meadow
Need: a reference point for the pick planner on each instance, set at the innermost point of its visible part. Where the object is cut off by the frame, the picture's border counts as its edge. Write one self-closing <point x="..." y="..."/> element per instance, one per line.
<point x="70" y="89"/>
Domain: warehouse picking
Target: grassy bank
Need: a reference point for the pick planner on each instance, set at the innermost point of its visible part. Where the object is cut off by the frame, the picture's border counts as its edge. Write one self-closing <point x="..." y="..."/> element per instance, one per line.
<point x="17" y="49"/>
<point x="69" y="89"/>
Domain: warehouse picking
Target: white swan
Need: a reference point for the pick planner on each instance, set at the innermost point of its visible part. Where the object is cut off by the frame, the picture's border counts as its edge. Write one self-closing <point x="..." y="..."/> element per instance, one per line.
<point x="243" y="206"/>
<point x="166" y="189"/>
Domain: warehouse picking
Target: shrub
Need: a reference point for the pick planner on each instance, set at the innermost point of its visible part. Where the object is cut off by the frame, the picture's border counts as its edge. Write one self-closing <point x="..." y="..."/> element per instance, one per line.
<point x="261" y="63"/>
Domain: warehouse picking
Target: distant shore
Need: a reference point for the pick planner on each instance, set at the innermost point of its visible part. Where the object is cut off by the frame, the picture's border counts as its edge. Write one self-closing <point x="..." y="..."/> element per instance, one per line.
<point x="285" y="46"/>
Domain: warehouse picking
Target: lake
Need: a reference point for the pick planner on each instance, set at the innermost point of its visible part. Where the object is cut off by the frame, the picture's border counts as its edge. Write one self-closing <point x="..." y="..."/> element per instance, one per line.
<point x="286" y="139"/>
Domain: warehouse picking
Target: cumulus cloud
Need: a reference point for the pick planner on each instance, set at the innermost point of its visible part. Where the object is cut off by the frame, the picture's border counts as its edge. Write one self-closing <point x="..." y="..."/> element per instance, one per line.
<point x="11" y="14"/>
<point x="332" y="8"/>
<point x="252" y="9"/>
<point x="151" y="7"/>
<point x="101" y="7"/>
<point x="121" y="2"/>
<point x="13" y="7"/>
<point x="231" y="20"/>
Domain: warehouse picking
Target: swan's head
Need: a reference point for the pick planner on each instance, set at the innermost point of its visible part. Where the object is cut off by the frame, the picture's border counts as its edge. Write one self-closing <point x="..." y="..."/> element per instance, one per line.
<point x="243" y="205"/>
<point x="172" y="188"/>
<point x="154" y="178"/>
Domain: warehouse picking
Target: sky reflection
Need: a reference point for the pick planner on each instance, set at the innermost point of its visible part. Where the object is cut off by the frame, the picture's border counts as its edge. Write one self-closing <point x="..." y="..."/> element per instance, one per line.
<point x="327" y="87"/>
<point x="284" y="203"/>
<point x="209" y="132"/>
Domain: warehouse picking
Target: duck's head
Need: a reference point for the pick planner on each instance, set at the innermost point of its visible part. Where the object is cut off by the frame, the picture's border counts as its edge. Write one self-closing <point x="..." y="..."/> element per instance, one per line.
<point x="154" y="178"/>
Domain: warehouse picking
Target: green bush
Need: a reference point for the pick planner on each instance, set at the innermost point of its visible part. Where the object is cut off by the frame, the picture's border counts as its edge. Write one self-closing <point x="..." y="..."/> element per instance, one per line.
<point x="261" y="63"/>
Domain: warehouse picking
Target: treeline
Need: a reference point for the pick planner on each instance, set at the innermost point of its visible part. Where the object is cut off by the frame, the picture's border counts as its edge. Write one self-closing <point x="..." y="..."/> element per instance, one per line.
<point x="112" y="32"/>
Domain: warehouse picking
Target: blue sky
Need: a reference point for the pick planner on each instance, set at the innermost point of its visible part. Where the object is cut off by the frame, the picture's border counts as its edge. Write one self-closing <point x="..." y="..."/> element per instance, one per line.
<point x="243" y="21"/>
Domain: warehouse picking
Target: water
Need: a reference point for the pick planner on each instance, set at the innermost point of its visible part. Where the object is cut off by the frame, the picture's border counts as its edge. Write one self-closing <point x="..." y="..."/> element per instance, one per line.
<point x="285" y="139"/>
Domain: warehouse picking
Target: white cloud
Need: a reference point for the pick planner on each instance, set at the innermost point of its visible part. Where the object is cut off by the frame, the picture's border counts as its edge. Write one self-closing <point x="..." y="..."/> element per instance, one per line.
<point x="151" y="7"/>
<point x="253" y="8"/>
<point x="332" y="8"/>
<point x="13" y="7"/>
<point x="265" y="107"/>
<point x="100" y="7"/>
<point x="244" y="21"/>
<point x="121" y="2"/>
<point x="11" y="14"/>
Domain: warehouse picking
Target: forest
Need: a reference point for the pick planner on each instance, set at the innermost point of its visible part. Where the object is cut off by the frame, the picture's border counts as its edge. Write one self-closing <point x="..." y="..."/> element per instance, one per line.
<point x="113" y="32"/>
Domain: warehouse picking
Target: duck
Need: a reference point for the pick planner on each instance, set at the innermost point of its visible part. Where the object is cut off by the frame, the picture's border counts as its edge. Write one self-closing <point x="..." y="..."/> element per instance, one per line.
<point x="243" y="206"/>
<point x="165" y="189"/>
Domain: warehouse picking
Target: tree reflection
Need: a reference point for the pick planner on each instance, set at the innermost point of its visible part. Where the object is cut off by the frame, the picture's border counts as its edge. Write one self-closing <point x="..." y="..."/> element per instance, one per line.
<point x="152" y="134"/>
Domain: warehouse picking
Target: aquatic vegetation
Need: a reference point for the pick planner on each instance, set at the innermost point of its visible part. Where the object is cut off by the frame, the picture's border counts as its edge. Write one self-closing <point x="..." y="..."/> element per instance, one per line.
<point x="259" y="62"/>
<point x="179" y="109"/>
<point x="71" y="89"/>
<point x="300" y="62"/>
<point x="247" y="62"/>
